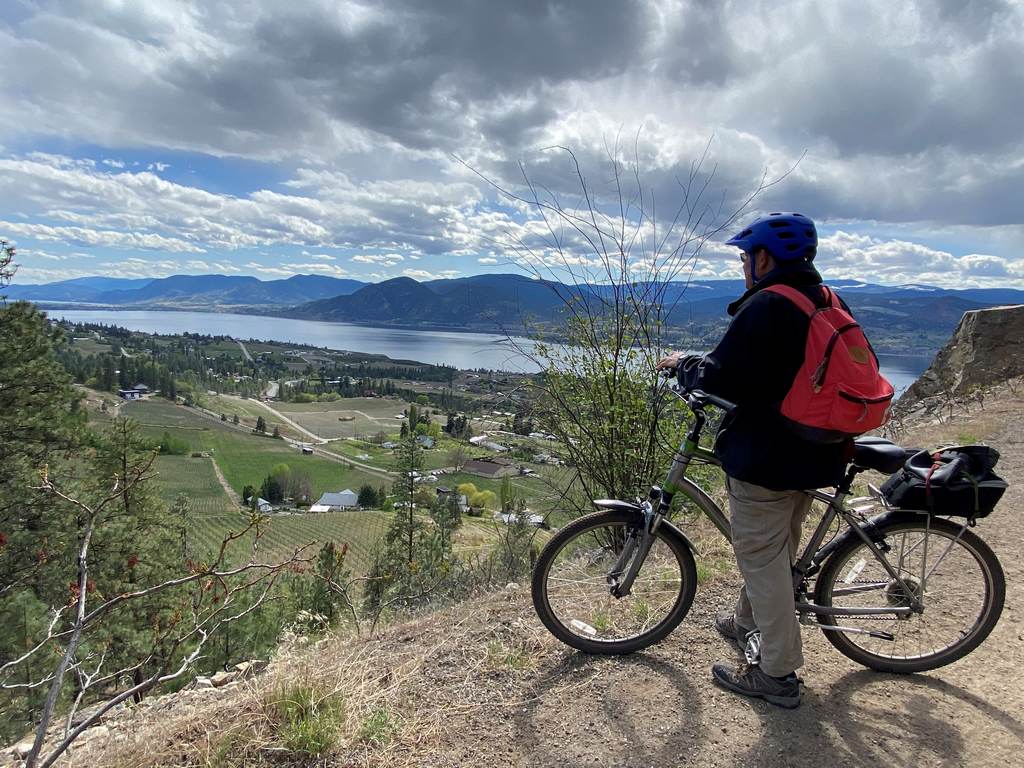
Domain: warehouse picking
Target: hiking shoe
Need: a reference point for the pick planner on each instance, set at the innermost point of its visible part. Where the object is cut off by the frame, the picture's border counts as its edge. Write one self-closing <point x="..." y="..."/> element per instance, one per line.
<point x="749" y="680"/>
<point x="726" y="625"/>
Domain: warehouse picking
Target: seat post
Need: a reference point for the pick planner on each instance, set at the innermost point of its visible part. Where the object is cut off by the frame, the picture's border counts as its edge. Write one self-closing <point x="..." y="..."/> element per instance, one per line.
<point x="851" y="472"/>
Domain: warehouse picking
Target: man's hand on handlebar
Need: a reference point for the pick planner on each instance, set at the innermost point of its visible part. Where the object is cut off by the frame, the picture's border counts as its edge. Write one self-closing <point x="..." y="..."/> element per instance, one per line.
<point x="669" y="363"/>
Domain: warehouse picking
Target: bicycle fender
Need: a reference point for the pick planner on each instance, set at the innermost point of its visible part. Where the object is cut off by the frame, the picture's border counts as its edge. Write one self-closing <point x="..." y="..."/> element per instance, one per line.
<point x="673" y="531"/>
<point x="872" y="528"/>
<point x="615" y="505"/>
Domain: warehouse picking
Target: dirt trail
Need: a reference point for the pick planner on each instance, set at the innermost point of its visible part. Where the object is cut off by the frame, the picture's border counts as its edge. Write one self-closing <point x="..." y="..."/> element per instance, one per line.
<point x="231" y="492"/>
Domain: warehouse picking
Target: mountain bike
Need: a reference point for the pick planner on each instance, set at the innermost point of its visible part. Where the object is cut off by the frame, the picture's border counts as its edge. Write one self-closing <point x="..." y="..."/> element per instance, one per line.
<point x="900" y="591"/>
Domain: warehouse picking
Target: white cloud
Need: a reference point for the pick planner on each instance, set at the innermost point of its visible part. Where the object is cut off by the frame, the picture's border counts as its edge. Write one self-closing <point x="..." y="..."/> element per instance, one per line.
<point x="98" y="237"/>
<point x="894" y="262"/>
<point x="385" y="259"/>
<point x="486" y="260"/>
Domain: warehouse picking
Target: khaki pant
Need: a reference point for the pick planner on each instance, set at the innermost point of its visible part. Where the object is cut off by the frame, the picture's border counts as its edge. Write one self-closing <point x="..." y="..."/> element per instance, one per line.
<point x="766" y="539"/>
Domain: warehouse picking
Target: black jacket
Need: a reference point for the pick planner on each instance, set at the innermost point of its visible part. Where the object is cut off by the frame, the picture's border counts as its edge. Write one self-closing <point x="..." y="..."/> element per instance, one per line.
<point x="754" y="366"/>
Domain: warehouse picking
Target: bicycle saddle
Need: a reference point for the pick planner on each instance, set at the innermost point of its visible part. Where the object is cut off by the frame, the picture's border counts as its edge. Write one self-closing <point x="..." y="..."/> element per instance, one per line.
<point x="878" y="453"/>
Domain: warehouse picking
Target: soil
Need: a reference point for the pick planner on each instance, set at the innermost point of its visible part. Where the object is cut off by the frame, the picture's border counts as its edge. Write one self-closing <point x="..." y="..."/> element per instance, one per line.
<point x="484" y="684"/>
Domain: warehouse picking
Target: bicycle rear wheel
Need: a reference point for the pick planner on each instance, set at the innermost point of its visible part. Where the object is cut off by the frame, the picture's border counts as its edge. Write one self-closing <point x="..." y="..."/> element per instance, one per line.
<point x="955" y="572"/>
<point x="571" y="591"/>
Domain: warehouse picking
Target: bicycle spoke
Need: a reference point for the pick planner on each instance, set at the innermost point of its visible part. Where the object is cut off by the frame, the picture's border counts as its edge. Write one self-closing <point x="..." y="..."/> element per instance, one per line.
<point x="579" y="592"/>
<point x="944" y="575"/>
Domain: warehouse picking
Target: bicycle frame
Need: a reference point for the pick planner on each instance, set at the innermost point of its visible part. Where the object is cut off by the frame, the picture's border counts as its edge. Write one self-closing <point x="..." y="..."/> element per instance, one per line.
<point x="809" y="562"/>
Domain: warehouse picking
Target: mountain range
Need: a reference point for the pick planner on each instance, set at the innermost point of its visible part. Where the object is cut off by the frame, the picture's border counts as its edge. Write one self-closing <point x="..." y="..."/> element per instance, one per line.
<point x="912" y="315"/>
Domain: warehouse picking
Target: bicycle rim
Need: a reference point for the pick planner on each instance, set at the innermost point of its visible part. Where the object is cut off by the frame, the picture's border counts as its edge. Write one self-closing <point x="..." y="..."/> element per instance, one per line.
<point x="952" y="571"/>
<point x="580" y="608"/>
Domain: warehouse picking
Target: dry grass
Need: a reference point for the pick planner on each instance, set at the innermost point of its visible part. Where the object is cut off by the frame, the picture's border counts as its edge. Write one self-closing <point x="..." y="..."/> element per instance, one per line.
<point x="383" y="701"/>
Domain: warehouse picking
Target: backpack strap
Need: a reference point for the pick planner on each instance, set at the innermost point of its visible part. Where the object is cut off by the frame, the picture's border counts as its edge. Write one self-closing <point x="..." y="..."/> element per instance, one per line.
<point x="806" y="305"/>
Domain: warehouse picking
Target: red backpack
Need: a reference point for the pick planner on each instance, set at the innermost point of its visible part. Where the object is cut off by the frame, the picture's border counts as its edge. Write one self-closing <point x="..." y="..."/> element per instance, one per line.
<point x="838" y="392"/>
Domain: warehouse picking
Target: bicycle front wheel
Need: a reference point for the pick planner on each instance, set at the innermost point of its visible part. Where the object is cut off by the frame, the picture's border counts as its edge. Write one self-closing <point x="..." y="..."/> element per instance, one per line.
<point x="571" y="588"/>
<point x="953" y="571"/>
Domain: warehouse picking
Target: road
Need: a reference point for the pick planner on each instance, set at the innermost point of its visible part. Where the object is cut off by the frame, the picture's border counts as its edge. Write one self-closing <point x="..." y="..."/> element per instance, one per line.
<point x="244" y="351"/>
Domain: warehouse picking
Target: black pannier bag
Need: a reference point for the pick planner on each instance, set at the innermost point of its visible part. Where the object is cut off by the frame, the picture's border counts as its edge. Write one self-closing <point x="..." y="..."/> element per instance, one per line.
<point x="956" y="481"/>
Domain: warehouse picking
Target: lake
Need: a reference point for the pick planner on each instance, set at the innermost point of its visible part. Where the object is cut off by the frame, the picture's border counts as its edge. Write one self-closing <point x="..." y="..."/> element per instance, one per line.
<point x="462" y="350"/>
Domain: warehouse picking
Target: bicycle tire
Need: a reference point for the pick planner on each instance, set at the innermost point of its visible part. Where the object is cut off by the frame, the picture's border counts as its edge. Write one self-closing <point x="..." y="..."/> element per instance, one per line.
<point x="988" y="612"/>
<point x="542" y="570"/>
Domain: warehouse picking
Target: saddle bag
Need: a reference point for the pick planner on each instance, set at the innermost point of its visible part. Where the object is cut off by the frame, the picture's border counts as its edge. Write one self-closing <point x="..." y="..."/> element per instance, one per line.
<point x="956" y="481"/>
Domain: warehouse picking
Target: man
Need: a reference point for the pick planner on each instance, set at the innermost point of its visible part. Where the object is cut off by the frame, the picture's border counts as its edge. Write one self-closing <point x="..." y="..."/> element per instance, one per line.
<point x="767" y="464"/>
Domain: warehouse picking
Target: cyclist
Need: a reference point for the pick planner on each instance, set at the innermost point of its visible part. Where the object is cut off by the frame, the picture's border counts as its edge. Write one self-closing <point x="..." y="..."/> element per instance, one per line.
<point x="767" y="464"/>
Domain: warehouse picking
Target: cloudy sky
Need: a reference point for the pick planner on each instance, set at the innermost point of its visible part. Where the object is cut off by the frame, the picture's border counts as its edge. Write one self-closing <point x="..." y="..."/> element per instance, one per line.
<point x="272" y="138"/>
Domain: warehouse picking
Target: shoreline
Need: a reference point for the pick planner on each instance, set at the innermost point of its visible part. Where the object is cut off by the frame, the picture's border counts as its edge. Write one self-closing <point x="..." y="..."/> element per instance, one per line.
<point x="50" y="307"/>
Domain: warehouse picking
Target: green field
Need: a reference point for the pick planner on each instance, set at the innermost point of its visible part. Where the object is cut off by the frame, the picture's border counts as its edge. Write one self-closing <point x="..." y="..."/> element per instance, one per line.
<point x="371" y="415"/>
<point x="283" y="534"/>
<point x="196" y="479"/>
<point x="245" y="459"/>
<point x="387" y="458"/>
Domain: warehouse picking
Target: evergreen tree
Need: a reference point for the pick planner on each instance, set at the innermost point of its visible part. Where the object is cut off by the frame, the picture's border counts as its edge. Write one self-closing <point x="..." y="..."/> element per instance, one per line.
<point x="367" y="497"/>
<point x="261" y="425"/>
<point x="272" y="490"/>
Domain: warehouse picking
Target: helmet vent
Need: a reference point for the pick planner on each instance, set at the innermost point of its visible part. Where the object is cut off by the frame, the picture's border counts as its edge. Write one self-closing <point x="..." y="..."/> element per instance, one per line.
<point x="778" y="224"/>
<point x="786" y="235"/>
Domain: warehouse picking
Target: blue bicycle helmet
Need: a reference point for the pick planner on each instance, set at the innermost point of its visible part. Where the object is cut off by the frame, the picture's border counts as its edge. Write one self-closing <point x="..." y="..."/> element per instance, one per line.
<point x="786" y="236"/>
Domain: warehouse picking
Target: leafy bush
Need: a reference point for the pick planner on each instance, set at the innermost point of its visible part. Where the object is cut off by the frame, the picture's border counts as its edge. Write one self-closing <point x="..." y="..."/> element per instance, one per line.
<point x="483" y="499"/>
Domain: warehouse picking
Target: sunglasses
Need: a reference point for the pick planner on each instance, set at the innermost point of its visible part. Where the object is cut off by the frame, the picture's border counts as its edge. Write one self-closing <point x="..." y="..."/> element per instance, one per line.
<point x="744" y="257"/>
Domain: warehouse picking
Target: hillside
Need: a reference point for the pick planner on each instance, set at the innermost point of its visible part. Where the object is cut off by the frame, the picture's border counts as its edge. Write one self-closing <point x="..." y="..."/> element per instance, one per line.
<point x="489" y="301"/>
<point x="483" y="684"/>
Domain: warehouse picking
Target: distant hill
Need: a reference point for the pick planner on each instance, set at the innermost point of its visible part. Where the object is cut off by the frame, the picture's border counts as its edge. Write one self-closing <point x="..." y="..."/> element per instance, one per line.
<point x="81" y="289"/>
<point x="188" y="291"/>
<point x="494" y="301"/>
<point x="907" y="318"/>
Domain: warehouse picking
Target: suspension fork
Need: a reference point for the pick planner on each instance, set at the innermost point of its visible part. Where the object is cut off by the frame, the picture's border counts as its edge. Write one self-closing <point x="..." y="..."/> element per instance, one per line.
<point x="634" y="551"/>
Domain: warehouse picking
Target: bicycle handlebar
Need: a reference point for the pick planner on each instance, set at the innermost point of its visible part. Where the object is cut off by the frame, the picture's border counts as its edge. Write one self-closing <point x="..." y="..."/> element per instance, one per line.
<point x="696" y="398"/>
<point x="703" y="397"/>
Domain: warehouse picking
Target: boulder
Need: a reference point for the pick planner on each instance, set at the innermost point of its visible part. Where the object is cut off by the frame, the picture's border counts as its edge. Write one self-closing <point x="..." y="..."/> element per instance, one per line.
<point x="222" y="678"/>
<point x="987" y="348"/>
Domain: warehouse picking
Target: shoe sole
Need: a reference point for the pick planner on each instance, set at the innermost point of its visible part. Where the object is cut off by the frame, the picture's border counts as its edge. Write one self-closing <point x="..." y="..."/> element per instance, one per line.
<point x="786" y="702"/>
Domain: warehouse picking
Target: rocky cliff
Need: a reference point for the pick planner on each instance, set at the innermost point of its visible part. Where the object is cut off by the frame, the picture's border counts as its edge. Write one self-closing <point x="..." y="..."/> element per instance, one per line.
<point x="987" y="348"/>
